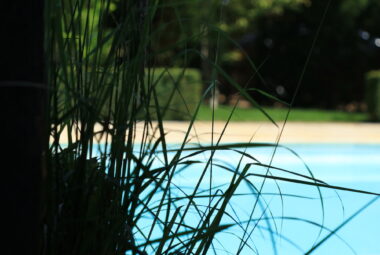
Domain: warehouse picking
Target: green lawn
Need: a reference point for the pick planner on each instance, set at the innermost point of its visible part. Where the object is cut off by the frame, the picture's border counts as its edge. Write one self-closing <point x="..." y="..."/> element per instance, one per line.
<point x="278" y="114"/>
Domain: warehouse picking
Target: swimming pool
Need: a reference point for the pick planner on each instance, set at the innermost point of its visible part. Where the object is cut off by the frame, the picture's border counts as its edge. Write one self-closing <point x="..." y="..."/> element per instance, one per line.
<point x="291" y="223"/>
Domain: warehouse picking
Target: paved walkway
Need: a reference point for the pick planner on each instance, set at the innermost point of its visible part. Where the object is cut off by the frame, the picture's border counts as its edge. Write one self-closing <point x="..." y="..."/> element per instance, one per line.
<point x="293" y="132"/>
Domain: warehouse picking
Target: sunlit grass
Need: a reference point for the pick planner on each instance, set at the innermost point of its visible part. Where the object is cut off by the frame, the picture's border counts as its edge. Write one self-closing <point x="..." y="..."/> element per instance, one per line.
<point x="278" y="114"/>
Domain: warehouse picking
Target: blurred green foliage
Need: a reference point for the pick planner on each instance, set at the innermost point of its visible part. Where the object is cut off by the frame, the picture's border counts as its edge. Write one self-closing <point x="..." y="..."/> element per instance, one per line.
<point x="277" y="36"/>
<point x="87" y="26"/>
<point x="273" y="35"/>
<point x="373" y="94"/>
<point x="344" y="51"/>
<point x="178" y="91"/>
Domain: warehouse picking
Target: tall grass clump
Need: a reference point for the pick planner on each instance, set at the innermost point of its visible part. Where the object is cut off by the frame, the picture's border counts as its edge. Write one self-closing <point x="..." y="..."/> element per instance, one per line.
<point x="96" y="61"/>
<point x="114" y="185"/>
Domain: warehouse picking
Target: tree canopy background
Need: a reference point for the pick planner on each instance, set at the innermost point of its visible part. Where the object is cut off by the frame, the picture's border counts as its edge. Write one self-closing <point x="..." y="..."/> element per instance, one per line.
<point x="277" y="36"/>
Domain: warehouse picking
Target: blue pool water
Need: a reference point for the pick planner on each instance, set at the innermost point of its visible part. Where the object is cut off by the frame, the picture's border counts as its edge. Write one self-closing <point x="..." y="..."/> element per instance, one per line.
<point x="290" y="223"/>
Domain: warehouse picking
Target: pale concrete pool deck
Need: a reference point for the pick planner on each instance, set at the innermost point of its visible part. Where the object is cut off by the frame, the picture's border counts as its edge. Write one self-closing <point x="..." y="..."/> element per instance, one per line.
<point x="293" y="132"/>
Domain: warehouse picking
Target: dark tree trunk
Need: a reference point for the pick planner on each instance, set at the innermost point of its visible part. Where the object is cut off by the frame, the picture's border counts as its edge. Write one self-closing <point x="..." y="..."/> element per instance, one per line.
<point x="22" y="103"/>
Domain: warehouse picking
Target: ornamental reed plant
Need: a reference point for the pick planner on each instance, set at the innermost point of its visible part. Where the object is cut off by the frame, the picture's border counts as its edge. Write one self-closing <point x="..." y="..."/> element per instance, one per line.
<point x="113" y="182"/>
